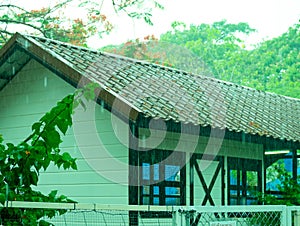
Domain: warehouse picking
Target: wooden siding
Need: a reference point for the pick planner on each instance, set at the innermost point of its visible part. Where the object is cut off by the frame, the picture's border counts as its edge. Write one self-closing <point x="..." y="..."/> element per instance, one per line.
<point x="34" y="91"/>
<point x="194" y="144"/>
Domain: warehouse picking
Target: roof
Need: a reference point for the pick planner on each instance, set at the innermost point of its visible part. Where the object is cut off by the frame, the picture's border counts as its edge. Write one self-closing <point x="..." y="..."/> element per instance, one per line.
<point x="156" y="91"/>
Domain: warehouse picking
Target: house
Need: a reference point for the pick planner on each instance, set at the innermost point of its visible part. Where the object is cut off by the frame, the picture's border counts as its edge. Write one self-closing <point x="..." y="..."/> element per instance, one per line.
<point x="155" y="135"/>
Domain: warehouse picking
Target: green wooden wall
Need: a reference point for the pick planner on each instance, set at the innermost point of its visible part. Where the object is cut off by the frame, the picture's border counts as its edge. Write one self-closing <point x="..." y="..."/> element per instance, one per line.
<point x="102" y="155"/>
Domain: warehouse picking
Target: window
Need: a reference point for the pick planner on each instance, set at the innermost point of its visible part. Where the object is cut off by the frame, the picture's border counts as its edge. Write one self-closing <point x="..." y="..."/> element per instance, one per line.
<point x="289" y="162"/>
<point x="272" y="180"/>
<point x="244" y="181"/>
<point x="162" y="177"/>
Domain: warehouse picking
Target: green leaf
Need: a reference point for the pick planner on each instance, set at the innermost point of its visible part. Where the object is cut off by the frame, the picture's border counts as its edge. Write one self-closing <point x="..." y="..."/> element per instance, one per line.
<point x="66" y="115"/>
<point x="62" y="198"/>
<point x="134" y="15"/>
<point x="5" y="17"/>
<point x="46" y="163"/>
<point x="2" y="198"/>
<point x="36" y="127"/>
<point x="44" y="223"/>
<point x="74" y="165"/>
<point x="10" y="146"/>
<point x="46" y="118"/>
<point x="37" y="163"/>
<point x="83" y="4"/>
<point x="61" y="212"/>
<point x="52" y="195"/>
<point x="66" y="165"/>
<point x="66" y="156"/>
<point x="68" y="99"/>
<point x="148" y="20"/>
<point x="33" y="178"/>
<point x="63" y="126"/>
<point x="19" y="155"/>
<point x="52" y="138"/>
<point x="157" y="5"/>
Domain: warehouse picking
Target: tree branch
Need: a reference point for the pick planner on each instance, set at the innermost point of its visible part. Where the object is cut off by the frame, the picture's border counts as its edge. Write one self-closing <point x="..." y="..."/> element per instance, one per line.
<point x="59" y="5"/>
<point x="14" y="6"/>
<point x="10" y="21"/>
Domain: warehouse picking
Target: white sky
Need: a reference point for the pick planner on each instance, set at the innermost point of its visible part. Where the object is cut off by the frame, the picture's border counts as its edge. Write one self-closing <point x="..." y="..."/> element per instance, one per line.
<point x="270" y="17"/>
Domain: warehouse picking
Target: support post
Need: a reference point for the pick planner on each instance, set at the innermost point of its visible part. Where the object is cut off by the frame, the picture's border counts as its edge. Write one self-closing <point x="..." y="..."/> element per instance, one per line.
<point x="133" y="178"/>
<point x="295" y="163"/>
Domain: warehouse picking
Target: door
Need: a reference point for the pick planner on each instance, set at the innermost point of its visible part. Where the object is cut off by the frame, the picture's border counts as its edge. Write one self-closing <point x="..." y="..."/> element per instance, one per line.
<point x="206" y="180"/>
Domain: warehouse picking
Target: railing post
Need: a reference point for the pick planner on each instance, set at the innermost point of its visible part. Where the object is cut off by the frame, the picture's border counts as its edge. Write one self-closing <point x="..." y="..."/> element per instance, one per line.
<point x="288" y="216"/>
<point x="296" y="217"/>
<point x="293" y="215"/>
<point x="178" y="217"/>
<point x="133" y="218"/>
<point x="174" y="217"/>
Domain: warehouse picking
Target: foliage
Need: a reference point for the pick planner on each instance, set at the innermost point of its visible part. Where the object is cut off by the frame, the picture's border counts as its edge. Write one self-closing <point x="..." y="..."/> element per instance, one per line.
<point x="20" y="165"/>
<point x="154" y="51"/>
<point x="288" y="187"/>
<point x="277" y="63"/>
<point x="271" y="66"/>
<point x="219" y="32"/>
<point x="53" y="21"/>
<point x="149" y="49"/>
<point x="198" y="49"/>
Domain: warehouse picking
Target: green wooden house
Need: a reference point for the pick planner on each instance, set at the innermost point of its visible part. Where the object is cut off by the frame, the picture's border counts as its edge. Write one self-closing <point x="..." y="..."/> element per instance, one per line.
<point x="155" y="135"/>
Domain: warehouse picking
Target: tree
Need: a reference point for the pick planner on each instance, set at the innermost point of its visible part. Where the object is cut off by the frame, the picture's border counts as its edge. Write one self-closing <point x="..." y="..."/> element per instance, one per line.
<point x="218" y="45"/>
<point x="52" y="21"/>
<point x="277" y="63"/>
<point x="153" y="50"/>
<point x="273" y="65"/>
<point x="203" y="49"/>
<point x="20" y="165"/>
<point x="288" y="187"/>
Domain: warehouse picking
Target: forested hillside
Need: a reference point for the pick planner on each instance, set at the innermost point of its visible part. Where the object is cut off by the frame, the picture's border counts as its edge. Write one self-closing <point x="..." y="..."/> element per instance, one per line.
<point x="219" y="50"/>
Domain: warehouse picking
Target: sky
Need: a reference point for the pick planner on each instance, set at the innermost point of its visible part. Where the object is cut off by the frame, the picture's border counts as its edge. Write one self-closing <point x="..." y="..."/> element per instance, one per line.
<point x="270" y="18"/>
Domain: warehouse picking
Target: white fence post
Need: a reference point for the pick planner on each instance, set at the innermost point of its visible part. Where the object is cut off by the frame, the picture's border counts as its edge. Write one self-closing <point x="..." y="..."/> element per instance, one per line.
<point x="293" y="216"/>
<point x="296" y="217"/>
<point x="285" y="216"/>
<point x="179" y="217"/>
<point x="288" y="216"/>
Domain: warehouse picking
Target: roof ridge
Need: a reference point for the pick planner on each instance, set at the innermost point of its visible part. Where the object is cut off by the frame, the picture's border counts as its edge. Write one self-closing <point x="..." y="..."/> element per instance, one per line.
<point x="89" y="49"/>
<point x="60" y="42"/>
<point x="106" y="53"/>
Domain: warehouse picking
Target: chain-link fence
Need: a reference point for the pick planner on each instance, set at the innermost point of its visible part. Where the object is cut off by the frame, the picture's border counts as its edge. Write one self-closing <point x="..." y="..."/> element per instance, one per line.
<point x="113" y="215"/>
<point x="113" y="218"/>
<point x="234" y="216"/>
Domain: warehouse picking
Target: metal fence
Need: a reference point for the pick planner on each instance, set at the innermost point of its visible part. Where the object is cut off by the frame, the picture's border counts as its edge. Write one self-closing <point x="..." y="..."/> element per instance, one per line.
<point x="234" y="216"/>
<point x="113" y="215"/>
